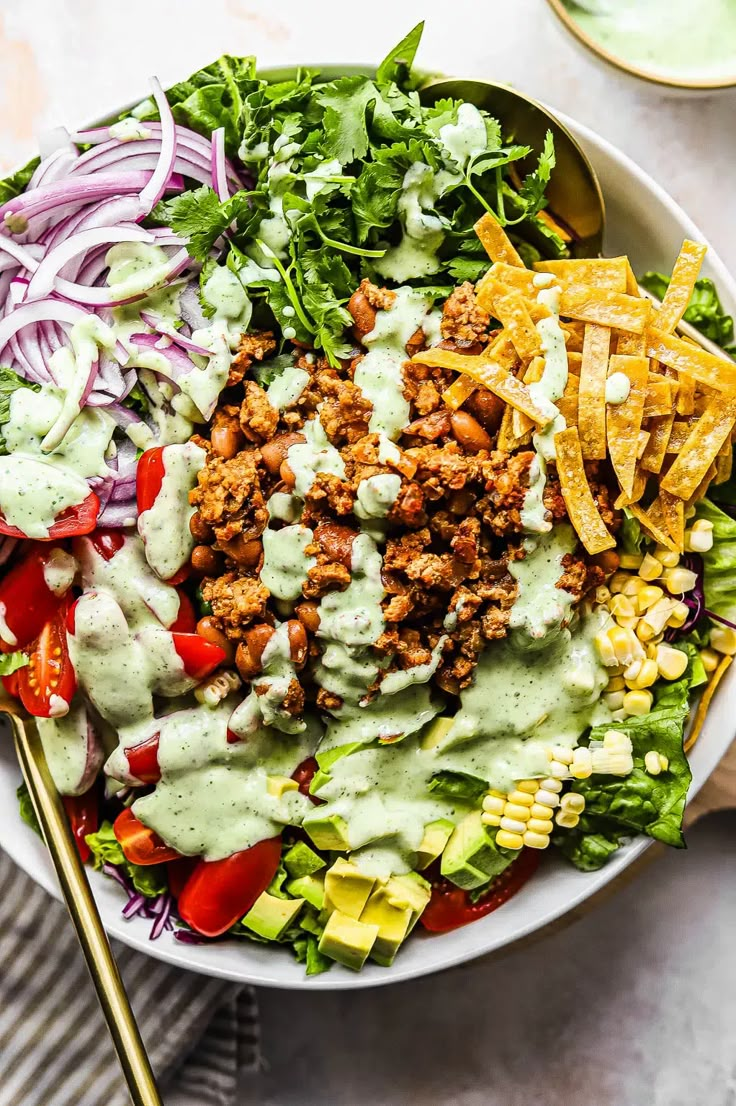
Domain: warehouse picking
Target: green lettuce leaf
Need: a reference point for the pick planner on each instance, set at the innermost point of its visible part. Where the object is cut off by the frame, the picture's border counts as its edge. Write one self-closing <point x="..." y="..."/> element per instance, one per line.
<point x="459" y="786"/>
<point x="27" y="813"/>
<point x="704" y="311"/>
<point x="11" y="662"/>
<point x="719" y="580"/>
<point x="149" y="880"/>
<point x="13" y="185"/>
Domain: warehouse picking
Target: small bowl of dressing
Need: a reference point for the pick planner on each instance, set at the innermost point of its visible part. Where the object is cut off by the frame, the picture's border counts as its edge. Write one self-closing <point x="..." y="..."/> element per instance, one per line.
<point x="679" y="46"/>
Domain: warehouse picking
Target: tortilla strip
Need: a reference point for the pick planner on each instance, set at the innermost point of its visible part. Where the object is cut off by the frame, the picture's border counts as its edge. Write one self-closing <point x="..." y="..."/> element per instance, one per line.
<point x="690" y="360"/>
<point x="700" y="450"/>
<point x="681" y="286"/>
<point x="659" y="396"/>
<point x="681" y="431"/>
<point x="581" y="507"/>
<point x="501" y="350"/>
<point x="574" y="335"/>
<point x="574" y="362"/>
<point x="592" y="395"/>
<point x="724" y="464"/>
<point x="459" y="392"/>
<point x="569" y="404"/>
<point x="613" y="309"/>
<point x="496" y="241"/>
<point x="522" y="424"/>
<point x="598" y="272"/>
<point x="510" y="308"/>
<point x="493" y="376"/>
<point x="631" y="345"/>
<point x="623" y="420"/>
<point x="642" y="443"/>
<point x="673" y="513"/>
<point x="723" y="665"/>
<point x="660" y="429"/>
<point x="685" y="396"/>
<point x="510" y="275"/>
<point x="640" y="483"/>
<point x="632" y="284"/>
<point x="546" y="216"/>
<point x="654" y="525"/>
<point x="507" y="440"/>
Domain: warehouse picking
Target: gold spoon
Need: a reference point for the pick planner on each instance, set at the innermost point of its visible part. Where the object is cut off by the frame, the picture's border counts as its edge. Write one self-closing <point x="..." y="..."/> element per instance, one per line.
<point x="574" y="192"/>
<point x="80" y="902"/>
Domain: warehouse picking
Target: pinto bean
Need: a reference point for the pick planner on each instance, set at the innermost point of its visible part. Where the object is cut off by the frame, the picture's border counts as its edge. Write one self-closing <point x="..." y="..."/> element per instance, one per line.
<point x="207" y="630"/>
<point x="308" y="614"/>
<point x="287" y="475"/>
<point x="298" y="643"/>
<point x="469" y="433"/>
<point x="205" y="560"/>
<point x="431" y="426"/>
<point x="249" y="655"/>
<point x="336" y="542"/>
<point x="226" y="441"/>
<point x="364" y="314"/>
<point x="487" y="408"/>
<point x="417" y="341"/>
<point x="246" y="552"/>
<point x="274" y="452"/>
<point x="200" y="530"/>
<point x="608" y="560"/>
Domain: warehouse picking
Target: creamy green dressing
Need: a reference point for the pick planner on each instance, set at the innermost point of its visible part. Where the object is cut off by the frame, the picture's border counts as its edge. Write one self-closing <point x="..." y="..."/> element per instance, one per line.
<point x="164" y="527"/>
<point x="465" y="139"/>
<point x="264" y="705"/>
<point x="422" y="233"/>
<point x="144" y="598"/>
<point x="69" y="750"/>
<point x="59" y="571"/>
<point x="34" y="492"/>
<point x="381" y="719"/>
<point x="284" y="507"/>
<point x="275" y="230"/>
<point x="669" y="37"/>
<point x="316" y="454"/>
<point x="84" y="447"/>
<point x="618" y="387"/>
<point x="6" y="634"/>
<point x="400" y="680"/>
<point x="285" y="390"/>
<point x="285" y="562"/>
<point x="376" y="495"/>
<point x="541" y="608"/>
<point x="379" y="374"/>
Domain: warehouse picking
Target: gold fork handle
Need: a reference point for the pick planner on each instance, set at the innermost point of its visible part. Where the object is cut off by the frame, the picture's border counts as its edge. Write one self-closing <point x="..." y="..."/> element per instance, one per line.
<point x="83" y="910"/>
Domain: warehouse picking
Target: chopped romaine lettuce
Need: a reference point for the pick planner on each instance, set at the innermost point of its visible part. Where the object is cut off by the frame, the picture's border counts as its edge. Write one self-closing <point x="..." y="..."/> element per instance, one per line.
<point x="149" y="880"/>
<point x="719" y="581"/>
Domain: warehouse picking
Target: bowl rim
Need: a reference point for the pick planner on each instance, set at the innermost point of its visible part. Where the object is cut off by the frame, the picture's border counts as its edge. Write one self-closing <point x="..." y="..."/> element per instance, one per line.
<point x="615" y="61"/>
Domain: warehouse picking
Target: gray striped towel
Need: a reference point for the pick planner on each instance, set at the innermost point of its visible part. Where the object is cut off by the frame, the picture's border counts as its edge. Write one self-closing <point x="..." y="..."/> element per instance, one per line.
<point x="54" y="1046"/>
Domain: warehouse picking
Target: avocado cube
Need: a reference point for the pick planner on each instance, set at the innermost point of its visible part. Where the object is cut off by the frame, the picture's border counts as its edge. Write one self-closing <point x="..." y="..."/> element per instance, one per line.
<point x="435" y="732"/>
<point x="393" y="924"/>
<point x="347" y="940"/>
<point x="471" y="857"/>
<point x="309" y="887"/>
<point x="436" y="836"/>
<point x="300" y="860"/>
<point x="410" y="890"/>
<point x="279" y="785"/>
<point x="270" y="917"/>
<point x="328" y="832"/>
<point x="319" y="779"/>
<point x="347" y="888"/>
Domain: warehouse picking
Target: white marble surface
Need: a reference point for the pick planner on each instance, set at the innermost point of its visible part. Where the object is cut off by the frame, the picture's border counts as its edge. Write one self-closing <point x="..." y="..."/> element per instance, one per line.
<point x="636" y="1005"/>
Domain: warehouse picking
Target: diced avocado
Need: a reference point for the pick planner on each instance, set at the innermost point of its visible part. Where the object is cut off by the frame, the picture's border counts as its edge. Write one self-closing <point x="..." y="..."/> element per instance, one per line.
<point x="410" y="890"/>
<point x="393" y="924"/>
<point x="279" y="785"/>
<point x="269" y="917"/>
<point x="327" y="832"/>
<point x="326" y="759"/>
<point x="347" y="940"/>
<point x="471" y="856"/>
<point x="435" y="732"/>
<point x="319" y="779"/>
<point x="436" y="836"/>
<point x="310" y="887"/>
<point x="347" y="888"/>
<point x="300" y="860"/>
<point x="309" y="921"/>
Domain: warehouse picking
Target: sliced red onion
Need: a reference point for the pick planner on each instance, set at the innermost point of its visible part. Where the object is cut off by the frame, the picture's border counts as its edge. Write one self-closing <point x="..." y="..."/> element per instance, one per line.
<point x="177" y="358"/>
<point x="124" y="416"/>
<point x="19" y="253"/>
<point x="133" y="905"/>
<point x="28" y="314"/>
<point x="118" y="515"/>
<point x="156" y="186"/>
<point x="42" y="282"/>
<point x="219" y="170"/>
<point x="53" y="167"/>
<point x="175" y="335"/>
<point x="186" y="140"/>
<point x="53" y="196"/>
<point x="107" y="297"/>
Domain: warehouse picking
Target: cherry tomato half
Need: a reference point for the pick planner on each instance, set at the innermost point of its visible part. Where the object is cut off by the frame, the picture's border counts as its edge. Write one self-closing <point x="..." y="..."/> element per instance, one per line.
<point x="200" y="657"/>
<point x="149" y="477"/>
<point x="28" y="601"/>
<point x="450" y="907"/>
<point x="48" y="682"/>
<point x="80" y="519"/>
<point x="83" y="814"/>
<point x="107" y="542"/>
<point x="219" y="892"/>
<point x="139" y="843"/>
<point x="143" y="760"/>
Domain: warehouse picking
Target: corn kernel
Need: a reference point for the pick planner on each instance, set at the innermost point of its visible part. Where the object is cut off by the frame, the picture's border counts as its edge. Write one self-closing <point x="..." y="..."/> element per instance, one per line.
<point x="563" y="754"/>
<point x="652" y="763"/>
<point x="490" y="819"/>
<point x="507" y="840"/>
<point x="617" y="582"/>
<point x="536" y="840"/>
<point x="582" y="769"/>
<point x="541" y="810"/>
<point x="616" y="683"/>
<point x="625" y="645"/>
<point x="630" y="560"/>
<point x="638" y="703"/>
<point x="629" y="623"/>
<point x="644" y="631"/>
<point x="521" y="798"/>
<point x="545" y="798"/>
<point x="617" y="740"/>
<point x="632" y="671"/>
<point x="671" y="663"/>
<point x="621" y="606"/>
<point x="666" y="557"/>
<point x="517" y="812"/>
<point x="659" y="615"/>
<point x="529" y="787"/>
<point x="602" y="594"/>
<point x="558" y="771"/>
<point x="723" y="640"/>
<point x="650" y="568"/>
<point x="619" y="715"/>
<point x="647" y="675"/>
<point x="648" y="596"/>
<point x="605" y="649"/>
<point x="614" y="700"/>
<point x="699" y="539"/>
<point x="497" y="794"/>
<point x="664" y="762"/>
<point x="612" y="763"/>
<point x="512" y="825"/>
<point x="539" y="825"/>
<point x="550" y="784"/>
<point x="493" y="805"/>
<point x="566" y="819"/>
<point x="633" y="585"/>
<point x="710" y="660"/>
<point x="679" y="580"/>
<point x="572" y="802"/>
<point x="678" y="616"/>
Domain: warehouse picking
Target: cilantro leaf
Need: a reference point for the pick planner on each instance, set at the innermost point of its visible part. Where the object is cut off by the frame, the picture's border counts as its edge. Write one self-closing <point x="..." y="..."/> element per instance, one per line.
<point x="396" y="66"/>
<point x="535" y="183"/>
<point x="200" y="217"/>
<point x="375" y="197"/>
<point x="346" y="132"/>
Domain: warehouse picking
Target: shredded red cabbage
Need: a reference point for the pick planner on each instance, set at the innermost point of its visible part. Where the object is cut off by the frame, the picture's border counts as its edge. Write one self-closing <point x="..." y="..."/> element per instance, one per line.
<point x="160" y="909"/>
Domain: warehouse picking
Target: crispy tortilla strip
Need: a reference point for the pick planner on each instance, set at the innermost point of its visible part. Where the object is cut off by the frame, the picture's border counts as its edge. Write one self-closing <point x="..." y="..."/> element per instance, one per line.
<point x="521" y="424"/>
<point x="493" y="376"/>
<point x="673" y="514"/>
<point x="723" y="665"/>
<point x="507" y="440"/>
<point x="623" y="420"/>
<point x="568" y="406"/>
<point x="581" y="507"/>
<point x="642" y="443"/>
<point x="702" y="488"/>
<point x="685" y="396"/>
<point x="640" y="483"/>
<point x="724" y="463"/>
<point x="660" y="429"/>
<point x="632" y="284"/>
<point x="596" y="272"/>
<point x="496" y="241"/>
<point x="560" y="229"/>
<point x="510" y="308"/>
<point x="510" y="275"/>
<point x="574" y="362"/>
<point x="501" y="350"/>
<point x="612" y="309"/>
<point x="652" y="522"/>
<point x="574" y="335"/>
<point x="459" y="392"/>
<point x="701" y="448"/>
<point x="630" y="345"/>
<point x="690" y="360"/>
<point x="677" y="297"/>
<point x="592" y="395"/>
<point x="681" y="431"/>
<point x="659" y="396"/>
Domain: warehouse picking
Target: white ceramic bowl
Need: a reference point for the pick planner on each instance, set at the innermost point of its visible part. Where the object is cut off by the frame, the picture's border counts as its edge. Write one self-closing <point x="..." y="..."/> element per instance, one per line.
<point x="645" y="223"/>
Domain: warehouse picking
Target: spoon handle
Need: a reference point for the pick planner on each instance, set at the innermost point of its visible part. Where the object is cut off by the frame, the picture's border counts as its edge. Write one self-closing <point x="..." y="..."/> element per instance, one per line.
<point x="84" y="914"/>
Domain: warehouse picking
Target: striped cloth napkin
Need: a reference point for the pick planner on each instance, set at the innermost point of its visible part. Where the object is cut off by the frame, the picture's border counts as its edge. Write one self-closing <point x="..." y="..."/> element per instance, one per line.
<point x="54" y="1046"/>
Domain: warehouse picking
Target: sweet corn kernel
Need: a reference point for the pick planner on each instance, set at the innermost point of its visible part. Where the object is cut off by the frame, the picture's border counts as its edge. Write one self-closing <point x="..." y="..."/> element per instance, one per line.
<point x="545" y="798"/>
<point x="617" y="581"/>
<point x="605" y="649"/>
<point x="650" y="568"/>
<point x="723" y="640"/>
<point x="217" y="687"/>
<point x="630" y="560"/>
<point x="621" y="606"/>
<point x="497" y="794"/>
<point x="638" y="703"/>
<point x="647" y="675"/>
<point x="644" y="631"/>
<point x="652" y="763"/>
<point x="507" y="840"/>
<point x="619" y="715"/>
<point x="535" y="840"/>
<point x="671" y="663"/>
<point x="493" y="805"/>
<point x="572" y="802"/>
<point x="512" y="825"/>
<point x="612" y="763"/>
<point x="521" y="798"/>
<point x="539" y="825"/>
<point x="550" y="784"/>
<point x="664" y="762"/>
<point x="679" y="616"/>
<point x="616" y="683"/>
<point x="659" y="615"/>
<point x="614" y="700"/>
<point x="541" y="810"/>
<point x="563" y="754"/>
<point x="617" y="741"/>
<point x="699" y="539"/>
<point x="632" y="671"/>
<point x="602" y="594"/>
<point x="710" y="660"/>
<point x="633" y="585"/>
<point x="629" y="623"/>
<point x="679" y="580"/>
<point x="490" y="819"/>
<point x="566" y="819"/>
<point x="582" y="769"/>
<point x="517" y="812"/>
<point x="648" y="596"/>
<point x="529" y="787"/>
<point x="559" y="771"/>
<point x="666" y="557"/>
<point x="626" y="648"/>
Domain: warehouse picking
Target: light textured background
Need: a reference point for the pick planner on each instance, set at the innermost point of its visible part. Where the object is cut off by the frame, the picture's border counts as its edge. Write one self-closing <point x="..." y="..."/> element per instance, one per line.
<point x="635" y="1005"/>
